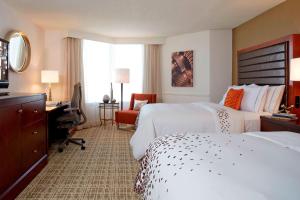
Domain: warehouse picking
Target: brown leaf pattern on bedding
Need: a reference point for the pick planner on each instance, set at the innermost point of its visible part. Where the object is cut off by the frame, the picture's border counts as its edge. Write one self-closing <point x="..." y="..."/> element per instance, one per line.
<point x="143" y="175"/>
<point x="223" y="120"/>
<point x="150" y="164"/>
<point x="174" y="155"/>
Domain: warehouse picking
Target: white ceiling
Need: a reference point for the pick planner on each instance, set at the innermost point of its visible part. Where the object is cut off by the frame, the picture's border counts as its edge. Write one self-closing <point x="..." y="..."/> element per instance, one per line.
<point x="140" y="18"/>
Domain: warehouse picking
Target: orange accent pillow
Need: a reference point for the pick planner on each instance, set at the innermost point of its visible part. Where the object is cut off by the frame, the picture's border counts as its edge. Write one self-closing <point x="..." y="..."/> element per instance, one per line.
<point x="234" y="98"/>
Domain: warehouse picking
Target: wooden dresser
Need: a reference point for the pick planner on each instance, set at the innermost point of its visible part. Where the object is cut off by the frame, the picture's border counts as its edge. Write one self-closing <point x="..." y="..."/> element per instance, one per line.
<point x="23" y="141"/>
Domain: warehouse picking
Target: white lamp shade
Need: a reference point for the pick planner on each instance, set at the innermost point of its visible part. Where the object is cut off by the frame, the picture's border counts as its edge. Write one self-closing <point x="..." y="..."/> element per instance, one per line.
<point x="121" y="75"/>
<point x="49" y="76"/>
<point x="295" y="69"/>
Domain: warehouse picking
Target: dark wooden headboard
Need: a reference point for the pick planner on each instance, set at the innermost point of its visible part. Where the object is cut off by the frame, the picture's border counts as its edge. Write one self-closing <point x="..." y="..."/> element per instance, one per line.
<point x="263" y="66"/>
<point x="266" y="64"/>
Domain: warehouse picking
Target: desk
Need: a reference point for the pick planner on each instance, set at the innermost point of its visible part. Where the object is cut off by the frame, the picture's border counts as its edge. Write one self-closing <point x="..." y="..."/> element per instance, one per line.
<point x="53" y="112"/>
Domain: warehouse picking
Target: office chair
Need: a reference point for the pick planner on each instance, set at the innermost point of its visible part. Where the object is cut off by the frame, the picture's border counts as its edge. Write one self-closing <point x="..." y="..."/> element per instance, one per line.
<point x="73" y="117"/>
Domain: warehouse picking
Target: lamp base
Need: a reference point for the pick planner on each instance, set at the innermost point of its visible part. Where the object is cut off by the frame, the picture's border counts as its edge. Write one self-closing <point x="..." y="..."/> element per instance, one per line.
<point x="49" y="98"/>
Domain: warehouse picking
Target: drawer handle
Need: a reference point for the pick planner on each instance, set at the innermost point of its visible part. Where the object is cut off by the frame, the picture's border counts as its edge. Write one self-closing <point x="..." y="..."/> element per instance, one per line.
<point x="35" y="132"/>
<point x="20" y="110"/>
<point x="35" y="151"/>
<point x="35" y="111"/>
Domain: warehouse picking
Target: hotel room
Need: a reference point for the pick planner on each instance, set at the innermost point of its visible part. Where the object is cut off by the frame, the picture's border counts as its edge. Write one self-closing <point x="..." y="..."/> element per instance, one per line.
<point x="154" y="100"/>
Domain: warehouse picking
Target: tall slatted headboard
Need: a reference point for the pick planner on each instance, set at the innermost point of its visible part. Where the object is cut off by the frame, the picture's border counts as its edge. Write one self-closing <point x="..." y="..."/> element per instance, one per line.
<point x="265" y="65"/>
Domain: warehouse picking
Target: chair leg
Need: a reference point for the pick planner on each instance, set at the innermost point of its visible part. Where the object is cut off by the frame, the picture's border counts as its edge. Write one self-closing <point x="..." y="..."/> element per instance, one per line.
<point x="80" y="139"/>
<point x="77" y="141"/>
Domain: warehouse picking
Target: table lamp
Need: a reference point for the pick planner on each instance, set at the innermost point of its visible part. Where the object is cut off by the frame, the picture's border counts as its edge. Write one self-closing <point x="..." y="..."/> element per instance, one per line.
<point x="49" y="76"/>
<point x="295" y="76"/>
<point x="122" y="76"/>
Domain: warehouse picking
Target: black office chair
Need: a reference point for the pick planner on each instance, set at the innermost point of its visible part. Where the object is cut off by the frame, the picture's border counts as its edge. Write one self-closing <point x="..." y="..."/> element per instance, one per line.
<point x="73" y="117"/>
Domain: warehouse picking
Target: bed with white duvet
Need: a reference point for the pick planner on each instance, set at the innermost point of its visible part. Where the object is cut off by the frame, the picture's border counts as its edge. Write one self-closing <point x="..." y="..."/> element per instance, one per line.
<point x="257" y="165"/>
<point x="203" y="117"/>
<point x="165" y="119"/>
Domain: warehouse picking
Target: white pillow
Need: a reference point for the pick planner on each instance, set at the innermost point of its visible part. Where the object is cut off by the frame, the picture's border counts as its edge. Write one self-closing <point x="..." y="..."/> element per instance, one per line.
<point x="230" y="87"/>
<point x="250" y="97"/>
<point x="262" y="96"/>
<point x="274" y="97"/>
<point x="138" y="104"/>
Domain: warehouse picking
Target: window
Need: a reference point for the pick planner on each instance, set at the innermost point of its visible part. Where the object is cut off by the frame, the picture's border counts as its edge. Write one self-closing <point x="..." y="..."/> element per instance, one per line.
<point x="99" y="62"/>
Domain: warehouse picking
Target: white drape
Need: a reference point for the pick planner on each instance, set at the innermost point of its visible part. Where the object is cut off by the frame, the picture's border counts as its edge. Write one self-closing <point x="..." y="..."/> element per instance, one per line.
<point x="152" y="72"/>
<point x="75" y="74"/>
<point x="73" y="56"/>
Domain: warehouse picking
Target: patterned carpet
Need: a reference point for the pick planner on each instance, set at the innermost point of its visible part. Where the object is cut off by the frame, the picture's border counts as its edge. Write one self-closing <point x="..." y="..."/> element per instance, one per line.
<point x="105" y="170"/>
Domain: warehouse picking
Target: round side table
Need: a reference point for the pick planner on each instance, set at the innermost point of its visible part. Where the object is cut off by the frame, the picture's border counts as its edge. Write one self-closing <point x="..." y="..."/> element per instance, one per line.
<point x="107" y="107"/>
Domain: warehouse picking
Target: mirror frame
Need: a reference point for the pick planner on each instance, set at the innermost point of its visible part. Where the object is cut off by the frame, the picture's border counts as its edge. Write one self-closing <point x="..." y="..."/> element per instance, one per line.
<point x="27" y="52"/>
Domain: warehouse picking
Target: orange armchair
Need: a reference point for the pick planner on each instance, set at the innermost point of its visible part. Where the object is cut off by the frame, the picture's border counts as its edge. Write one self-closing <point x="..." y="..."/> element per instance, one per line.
<point x="129" y="116"/>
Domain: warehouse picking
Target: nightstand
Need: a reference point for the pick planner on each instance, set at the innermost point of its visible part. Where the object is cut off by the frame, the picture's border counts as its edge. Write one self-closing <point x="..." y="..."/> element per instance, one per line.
<point x="271" y="124"/>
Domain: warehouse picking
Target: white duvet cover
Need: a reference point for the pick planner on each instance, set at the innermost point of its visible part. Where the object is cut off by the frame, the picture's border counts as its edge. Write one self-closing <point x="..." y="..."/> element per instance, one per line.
<point x="221" y="167"/>
<point x="166" y="119"/>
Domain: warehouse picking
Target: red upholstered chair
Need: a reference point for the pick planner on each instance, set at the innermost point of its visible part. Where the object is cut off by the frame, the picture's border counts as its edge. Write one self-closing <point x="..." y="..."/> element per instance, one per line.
<point x="129" y="116"/>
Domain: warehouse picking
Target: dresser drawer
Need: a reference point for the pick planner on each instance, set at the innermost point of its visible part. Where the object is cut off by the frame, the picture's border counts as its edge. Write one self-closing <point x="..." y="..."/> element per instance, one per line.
<point x="32" y="112"/>
<point x="31" y="155"/>
<point x="34" y="143"/>
<point x="34" y="133"/>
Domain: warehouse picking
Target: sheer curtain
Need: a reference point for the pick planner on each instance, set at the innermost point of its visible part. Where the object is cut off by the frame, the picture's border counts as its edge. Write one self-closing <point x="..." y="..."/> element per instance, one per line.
<point x="99" y="61"/>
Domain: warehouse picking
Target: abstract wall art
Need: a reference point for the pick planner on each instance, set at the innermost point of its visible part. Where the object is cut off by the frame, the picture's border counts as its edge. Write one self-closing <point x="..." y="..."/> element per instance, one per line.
<point x="182" y="69"/>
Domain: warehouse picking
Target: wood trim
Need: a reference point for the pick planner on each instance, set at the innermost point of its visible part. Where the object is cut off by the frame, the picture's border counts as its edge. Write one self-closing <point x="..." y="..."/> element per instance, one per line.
<point x="270" y="43"/>
<point x="13" y="191"/>
<point x="20" y="98"/>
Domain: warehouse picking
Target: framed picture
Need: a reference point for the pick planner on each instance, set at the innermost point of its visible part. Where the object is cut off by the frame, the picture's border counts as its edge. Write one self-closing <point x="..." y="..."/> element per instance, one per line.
<point x="182" y="69"/>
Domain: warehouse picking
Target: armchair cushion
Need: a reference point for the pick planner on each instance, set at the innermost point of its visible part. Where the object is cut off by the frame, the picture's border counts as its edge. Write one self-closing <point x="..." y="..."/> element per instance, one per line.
<point x="126" y="116"/>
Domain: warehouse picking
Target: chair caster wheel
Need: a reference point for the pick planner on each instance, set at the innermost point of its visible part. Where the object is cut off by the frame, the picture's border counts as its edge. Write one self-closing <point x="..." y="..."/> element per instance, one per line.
<point x="60" y="150"/>
<point x="82" y="147"/>
<point x="83" y="141"/>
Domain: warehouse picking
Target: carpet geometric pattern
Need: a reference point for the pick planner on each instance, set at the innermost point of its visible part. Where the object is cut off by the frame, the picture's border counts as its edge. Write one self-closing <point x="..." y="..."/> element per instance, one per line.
<point x="104" y="170"/>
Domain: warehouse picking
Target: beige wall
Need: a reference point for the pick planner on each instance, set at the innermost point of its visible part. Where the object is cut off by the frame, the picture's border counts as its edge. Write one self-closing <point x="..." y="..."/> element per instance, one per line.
<point x="29" y="80"/>
<point x="54" y="60"/>
<point x="279" y="21"/>
<point x="211" y="76"/>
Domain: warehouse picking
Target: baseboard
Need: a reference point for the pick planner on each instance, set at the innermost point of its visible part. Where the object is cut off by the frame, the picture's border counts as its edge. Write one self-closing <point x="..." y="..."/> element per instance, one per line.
<point x="20" y="184"/>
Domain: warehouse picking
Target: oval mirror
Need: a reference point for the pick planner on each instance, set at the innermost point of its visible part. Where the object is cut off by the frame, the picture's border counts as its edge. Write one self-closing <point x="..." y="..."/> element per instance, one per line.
<point x="18" y="51"/>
